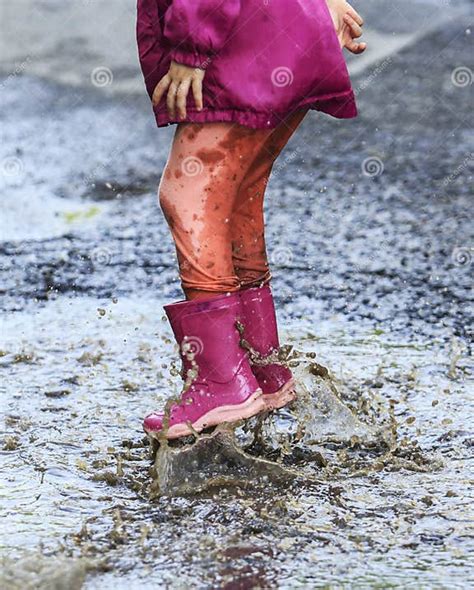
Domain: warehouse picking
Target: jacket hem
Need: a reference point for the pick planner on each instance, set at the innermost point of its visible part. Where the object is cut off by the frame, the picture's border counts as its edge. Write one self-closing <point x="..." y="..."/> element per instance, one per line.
<point x="340" y="106"/>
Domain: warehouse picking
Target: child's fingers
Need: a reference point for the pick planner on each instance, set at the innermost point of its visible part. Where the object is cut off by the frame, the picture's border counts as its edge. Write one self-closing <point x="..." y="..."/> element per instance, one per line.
<point x="356" y="30"/>
<point x="160" y="89"/>
<point x="181" y="97"/>
<point x="197" y="93"/>
<point x="171" y="99"/>
<point x="355" y="47"/>
<point x="355" y="15"/>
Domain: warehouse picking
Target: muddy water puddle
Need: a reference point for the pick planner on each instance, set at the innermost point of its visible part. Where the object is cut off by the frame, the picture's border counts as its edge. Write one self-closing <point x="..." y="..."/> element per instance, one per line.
<point x="363" y="483"/>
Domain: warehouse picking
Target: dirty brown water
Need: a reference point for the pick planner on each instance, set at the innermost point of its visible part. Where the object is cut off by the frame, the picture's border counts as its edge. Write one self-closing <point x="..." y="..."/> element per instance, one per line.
<point x="363" y="483"/>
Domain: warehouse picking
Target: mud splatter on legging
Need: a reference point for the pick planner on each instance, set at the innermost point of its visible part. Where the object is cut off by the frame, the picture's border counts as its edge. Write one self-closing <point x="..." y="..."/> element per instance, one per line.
<point x="211" y="193"/>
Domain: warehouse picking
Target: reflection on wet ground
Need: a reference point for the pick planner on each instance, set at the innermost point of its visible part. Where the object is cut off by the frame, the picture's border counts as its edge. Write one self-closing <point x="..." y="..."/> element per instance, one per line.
<point x="372" y="460"/>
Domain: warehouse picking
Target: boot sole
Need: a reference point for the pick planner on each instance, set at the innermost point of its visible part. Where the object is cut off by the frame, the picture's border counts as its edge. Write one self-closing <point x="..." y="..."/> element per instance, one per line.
<point x="223" y="414"/>
<point x="282" y="397"/>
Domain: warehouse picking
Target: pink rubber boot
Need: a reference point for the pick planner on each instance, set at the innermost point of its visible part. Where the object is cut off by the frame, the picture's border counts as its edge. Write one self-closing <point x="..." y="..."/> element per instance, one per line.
<point x="220" y="386"/>
<point x="261" y="332"/>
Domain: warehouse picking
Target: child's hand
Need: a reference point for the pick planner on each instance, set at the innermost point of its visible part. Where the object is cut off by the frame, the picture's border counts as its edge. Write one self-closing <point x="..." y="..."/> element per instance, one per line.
<point x="177" y="82"/>
<point x="348" y="24"/>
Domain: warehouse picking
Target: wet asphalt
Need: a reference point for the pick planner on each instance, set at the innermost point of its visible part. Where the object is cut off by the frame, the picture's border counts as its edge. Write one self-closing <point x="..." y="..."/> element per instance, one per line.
<point x="369" y="225"/>
<point x="370" y="217"/>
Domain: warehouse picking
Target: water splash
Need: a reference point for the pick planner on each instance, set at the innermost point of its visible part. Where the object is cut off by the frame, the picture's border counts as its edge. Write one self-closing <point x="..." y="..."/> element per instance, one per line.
<point x="266" y="448"/>
<point x="213" y="460"/>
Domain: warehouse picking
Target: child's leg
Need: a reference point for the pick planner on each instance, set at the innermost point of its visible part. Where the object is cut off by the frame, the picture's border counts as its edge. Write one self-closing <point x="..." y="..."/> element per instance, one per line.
<point x="247" y="225"/>
<point x="198" y="189"/>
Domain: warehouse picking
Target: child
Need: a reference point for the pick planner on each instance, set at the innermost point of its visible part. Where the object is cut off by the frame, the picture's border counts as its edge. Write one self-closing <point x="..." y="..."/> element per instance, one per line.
<point x="237" y="76"/>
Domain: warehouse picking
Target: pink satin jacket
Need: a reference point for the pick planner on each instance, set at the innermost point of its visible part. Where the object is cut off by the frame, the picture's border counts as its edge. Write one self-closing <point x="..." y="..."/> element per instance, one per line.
<point x="263" y="58"/>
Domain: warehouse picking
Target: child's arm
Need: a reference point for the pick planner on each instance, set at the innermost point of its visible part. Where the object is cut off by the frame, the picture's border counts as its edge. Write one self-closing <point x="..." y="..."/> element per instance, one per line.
<point x="197" y="30"/>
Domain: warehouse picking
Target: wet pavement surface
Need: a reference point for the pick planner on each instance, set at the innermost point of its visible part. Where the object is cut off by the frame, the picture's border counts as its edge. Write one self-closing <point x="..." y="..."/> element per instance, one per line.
<point x="364" y="483"/>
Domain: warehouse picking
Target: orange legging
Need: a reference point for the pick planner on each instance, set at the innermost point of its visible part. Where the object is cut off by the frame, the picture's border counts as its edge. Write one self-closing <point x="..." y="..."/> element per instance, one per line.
<point x="211" y="193"/>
